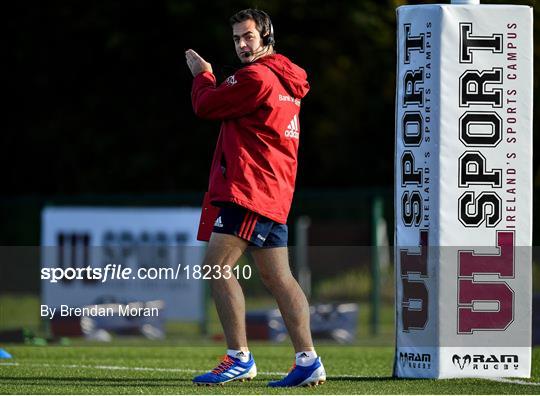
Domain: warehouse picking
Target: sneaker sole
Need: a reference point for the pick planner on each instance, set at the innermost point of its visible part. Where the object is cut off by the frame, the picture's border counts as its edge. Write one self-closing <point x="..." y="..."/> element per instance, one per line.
<point x="314" y="383"/>
<point x="244" y="379"/>
<point x="308" y="384"/>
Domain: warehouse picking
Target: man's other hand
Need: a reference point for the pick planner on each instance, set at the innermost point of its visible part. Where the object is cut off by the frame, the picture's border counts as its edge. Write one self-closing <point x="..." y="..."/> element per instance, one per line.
<point x="196" y="63"/>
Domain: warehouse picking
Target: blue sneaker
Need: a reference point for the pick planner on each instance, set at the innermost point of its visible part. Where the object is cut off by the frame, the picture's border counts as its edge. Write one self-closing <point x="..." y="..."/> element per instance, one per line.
<point x="230" y="369"/>
<point x="303" y="376"/>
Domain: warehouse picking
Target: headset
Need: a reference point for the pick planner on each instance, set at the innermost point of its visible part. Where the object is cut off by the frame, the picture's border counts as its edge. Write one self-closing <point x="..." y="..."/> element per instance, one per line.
<point x="268" y="33"/>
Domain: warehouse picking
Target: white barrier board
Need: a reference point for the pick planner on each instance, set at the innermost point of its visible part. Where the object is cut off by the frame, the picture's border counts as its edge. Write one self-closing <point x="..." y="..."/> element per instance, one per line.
<point x="135" y="238"/>
<point x="463" y="193"/>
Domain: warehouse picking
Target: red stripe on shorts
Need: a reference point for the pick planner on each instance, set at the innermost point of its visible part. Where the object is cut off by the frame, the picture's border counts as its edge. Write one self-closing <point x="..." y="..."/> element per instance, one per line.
<point x="252" y="226"/>
<point x="244" y="224"/>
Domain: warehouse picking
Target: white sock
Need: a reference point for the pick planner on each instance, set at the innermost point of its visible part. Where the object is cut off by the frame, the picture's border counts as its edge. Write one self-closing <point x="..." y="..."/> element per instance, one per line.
<point x="241" y="355"/>
<point x="306" y="358"/>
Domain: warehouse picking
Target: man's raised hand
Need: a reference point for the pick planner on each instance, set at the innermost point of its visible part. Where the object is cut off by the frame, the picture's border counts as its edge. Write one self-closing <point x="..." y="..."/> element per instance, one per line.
<point x="196" y="63"/>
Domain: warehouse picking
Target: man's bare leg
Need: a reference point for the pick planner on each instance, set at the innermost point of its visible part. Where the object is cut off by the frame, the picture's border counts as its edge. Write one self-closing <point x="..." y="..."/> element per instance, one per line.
<point x="225" y="250"/>
<point x="273" y="265"/>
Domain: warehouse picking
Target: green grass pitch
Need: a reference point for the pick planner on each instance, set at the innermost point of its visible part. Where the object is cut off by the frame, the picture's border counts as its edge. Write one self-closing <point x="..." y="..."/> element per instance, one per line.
<point x="168" y="369"/>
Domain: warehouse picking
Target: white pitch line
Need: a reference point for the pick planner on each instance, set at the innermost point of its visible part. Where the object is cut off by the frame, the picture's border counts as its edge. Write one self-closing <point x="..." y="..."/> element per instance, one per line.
<point x="511" y="381"/>
<point x="103" y="367"/>
<point x="179" y="370"/>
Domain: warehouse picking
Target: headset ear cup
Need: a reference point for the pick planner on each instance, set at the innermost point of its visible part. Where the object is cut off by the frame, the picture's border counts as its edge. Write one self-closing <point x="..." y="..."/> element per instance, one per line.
<point x="268" y="40"/>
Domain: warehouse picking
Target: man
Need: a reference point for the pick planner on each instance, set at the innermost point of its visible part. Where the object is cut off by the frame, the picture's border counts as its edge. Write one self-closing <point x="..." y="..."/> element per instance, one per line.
<point x="252" y="182"/>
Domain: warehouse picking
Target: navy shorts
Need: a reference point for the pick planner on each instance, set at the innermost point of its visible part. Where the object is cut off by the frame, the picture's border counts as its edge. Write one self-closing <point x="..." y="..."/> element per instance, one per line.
<point x="256" y="229"/>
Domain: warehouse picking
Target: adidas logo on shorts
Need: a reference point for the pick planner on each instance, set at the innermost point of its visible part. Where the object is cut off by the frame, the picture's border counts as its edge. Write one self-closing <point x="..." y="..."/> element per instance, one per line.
<point x="218" y="222"/>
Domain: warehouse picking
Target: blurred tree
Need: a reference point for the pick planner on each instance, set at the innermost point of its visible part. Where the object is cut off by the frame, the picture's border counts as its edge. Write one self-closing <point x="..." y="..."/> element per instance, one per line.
<point x="99" y="93"/>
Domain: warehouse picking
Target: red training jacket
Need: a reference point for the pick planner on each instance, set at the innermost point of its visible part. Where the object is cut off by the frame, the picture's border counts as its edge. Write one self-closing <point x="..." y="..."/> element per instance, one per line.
<point x="255" y="159"/>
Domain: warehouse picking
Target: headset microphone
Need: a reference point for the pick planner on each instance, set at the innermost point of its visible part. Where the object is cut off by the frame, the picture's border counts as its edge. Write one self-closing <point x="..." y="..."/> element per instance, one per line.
<point x="258" y="51"/>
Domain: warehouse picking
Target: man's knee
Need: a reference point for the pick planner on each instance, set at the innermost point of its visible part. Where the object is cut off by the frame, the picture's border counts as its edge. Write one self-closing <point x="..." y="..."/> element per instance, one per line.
<point x="223" y="250"/>
<point x="276" y="281"/>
